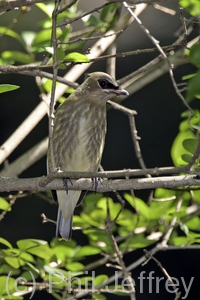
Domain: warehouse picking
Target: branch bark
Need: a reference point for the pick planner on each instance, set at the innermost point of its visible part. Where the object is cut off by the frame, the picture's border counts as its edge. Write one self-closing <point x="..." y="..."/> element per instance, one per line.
<point x="8" y="184"/>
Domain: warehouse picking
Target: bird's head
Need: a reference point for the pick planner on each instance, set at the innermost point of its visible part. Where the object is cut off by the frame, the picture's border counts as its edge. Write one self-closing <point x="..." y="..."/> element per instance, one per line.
<point x="102" y="87"/>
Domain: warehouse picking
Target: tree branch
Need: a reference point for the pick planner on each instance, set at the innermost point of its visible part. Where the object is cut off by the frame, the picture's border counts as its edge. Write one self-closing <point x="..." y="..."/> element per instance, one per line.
<point x="8" y="184"/>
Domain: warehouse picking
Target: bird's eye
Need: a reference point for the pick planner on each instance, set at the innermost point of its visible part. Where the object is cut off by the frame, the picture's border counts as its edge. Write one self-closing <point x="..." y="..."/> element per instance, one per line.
<point x="103" y="83"/>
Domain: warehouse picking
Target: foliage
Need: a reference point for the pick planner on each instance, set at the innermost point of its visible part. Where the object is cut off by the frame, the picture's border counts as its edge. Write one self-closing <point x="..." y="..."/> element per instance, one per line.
<point x="61" y="267"/>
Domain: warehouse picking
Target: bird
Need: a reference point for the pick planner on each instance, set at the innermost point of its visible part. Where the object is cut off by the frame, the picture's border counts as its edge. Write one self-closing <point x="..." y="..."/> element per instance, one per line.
<point x="78" y="139"/>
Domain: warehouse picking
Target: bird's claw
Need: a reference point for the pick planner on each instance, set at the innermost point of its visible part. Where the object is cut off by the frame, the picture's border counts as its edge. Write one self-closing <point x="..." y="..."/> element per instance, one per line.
<point x="65" y="183"/>
<point x="95" y="183"/>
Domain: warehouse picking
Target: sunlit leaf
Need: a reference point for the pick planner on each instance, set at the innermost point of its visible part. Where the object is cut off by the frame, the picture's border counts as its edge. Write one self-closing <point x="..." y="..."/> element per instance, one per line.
<point x="8" y="88"/>
<point x="13" y="262"/>
<point x="76" y="57"/>
<point x="46" y="8"/>
<point x="180" y="240"/>
<point x="75" y="266"/>
<point x="87" y="251"/>
<point x="43" y="38"/>
<point x="100" y="279"/>
<point x="178" y="150"/>
<point x="13" y="34"/>
<point x="138" y="241"/>
<point x="7" y="284"/>
<point x="138" y="204"/>
<point x="4" y="205"/>
<point x="6" y="243"/>
<point x="193" y="224"/>
<point x="36" y="247"/>
<point x="16" y="56"/>
<point x="192" y="6"/>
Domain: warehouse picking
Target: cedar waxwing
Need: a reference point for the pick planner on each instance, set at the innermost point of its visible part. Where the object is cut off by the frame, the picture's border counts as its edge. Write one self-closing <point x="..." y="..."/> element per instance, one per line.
<point x="78" y="138"/>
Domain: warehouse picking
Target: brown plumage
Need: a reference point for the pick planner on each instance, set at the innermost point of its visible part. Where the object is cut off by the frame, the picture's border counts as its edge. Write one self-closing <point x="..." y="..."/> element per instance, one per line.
<point x="78" y="138"/>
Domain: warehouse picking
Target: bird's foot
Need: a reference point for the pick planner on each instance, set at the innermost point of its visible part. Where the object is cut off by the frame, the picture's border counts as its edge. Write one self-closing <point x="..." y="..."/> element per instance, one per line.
<point x="95" y="182"/>
<point x="65" y="183"/>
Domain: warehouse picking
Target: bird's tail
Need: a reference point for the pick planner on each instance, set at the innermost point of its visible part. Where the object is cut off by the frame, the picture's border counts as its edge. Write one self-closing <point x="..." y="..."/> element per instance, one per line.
<point x="63" y="227"/>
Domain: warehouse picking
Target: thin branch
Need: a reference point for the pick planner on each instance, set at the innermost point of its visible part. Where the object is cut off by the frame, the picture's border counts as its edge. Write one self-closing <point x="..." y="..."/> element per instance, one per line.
<point x="194" y="156"/>
<point x="156" y="43"/>
<point x="82" y="15"/>
<point x="53" y="89"/>
<point x="178" y="294"/>
<point x="119" y="256"/>
<point x="26" y="70"/>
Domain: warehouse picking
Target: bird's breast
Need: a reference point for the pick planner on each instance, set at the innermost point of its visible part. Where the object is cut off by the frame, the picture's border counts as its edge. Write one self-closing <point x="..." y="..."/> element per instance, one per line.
<point x="83" y="142"/>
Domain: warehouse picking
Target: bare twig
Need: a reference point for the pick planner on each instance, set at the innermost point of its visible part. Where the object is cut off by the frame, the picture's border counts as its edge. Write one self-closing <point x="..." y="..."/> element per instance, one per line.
<point x="119" y="256"/>
<point x="194" y="157"/>
<point x="156" y="43"/>
<point x="178" y="294"/>
<point x="53" y="90"/>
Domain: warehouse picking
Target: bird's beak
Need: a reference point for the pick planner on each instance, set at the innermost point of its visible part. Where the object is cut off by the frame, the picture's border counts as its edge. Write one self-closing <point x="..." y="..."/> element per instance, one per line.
<point x="120" y="91"/>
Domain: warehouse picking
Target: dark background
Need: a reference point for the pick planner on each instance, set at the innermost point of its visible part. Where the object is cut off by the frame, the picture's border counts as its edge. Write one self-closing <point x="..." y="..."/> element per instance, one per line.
<point x="158" y="118"/>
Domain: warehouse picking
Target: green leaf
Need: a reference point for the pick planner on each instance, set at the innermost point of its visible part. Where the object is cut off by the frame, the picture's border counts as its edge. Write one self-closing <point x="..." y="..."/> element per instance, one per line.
<point x="114" y="208"/>
<point x="163" y="193"/>
<point x="8" y="88"/>
<point x="75" y="266"/>
<point x="90" y="221"/>
<point x="39" y="248"/>
<point x="43" y="38"/>
<point x="13" y="34"/>
<point x="90" y="201"/>
<point x="196" y="196"/>
<point x="62" y="252"/>
<point x="186" y="157"/>
<point x="100" y="239"/>
<point x="180" y="240"/>
<point x="91" y="20"/>
<point x="189" y="121"/>
<point x="138" y="204"/>
<point x="193" y="89"/>
<point x="190" y="145"/>
<point x="196" y="127"/>
<point x="100" y="279"/>
<point x="27" y="257"/>
<point x="4" y="205"/>
<point x="87" y="251"/>
<point x="5" y="269"/>
<point x="13" y="262"/>
<point x="193" y="224"/>
<point x="178" y="150"/>
<point x="28" y="37"/>
<point x="192" y="6"/>
<point x="16" y="56"/>
<point x="138" y="241"/>
<point x="76" y="57"/>
<point x="6" y="243"/>
<point x="46" y="8"/>
<point x="7" y="285"/>
<point x="194" y="55"/>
